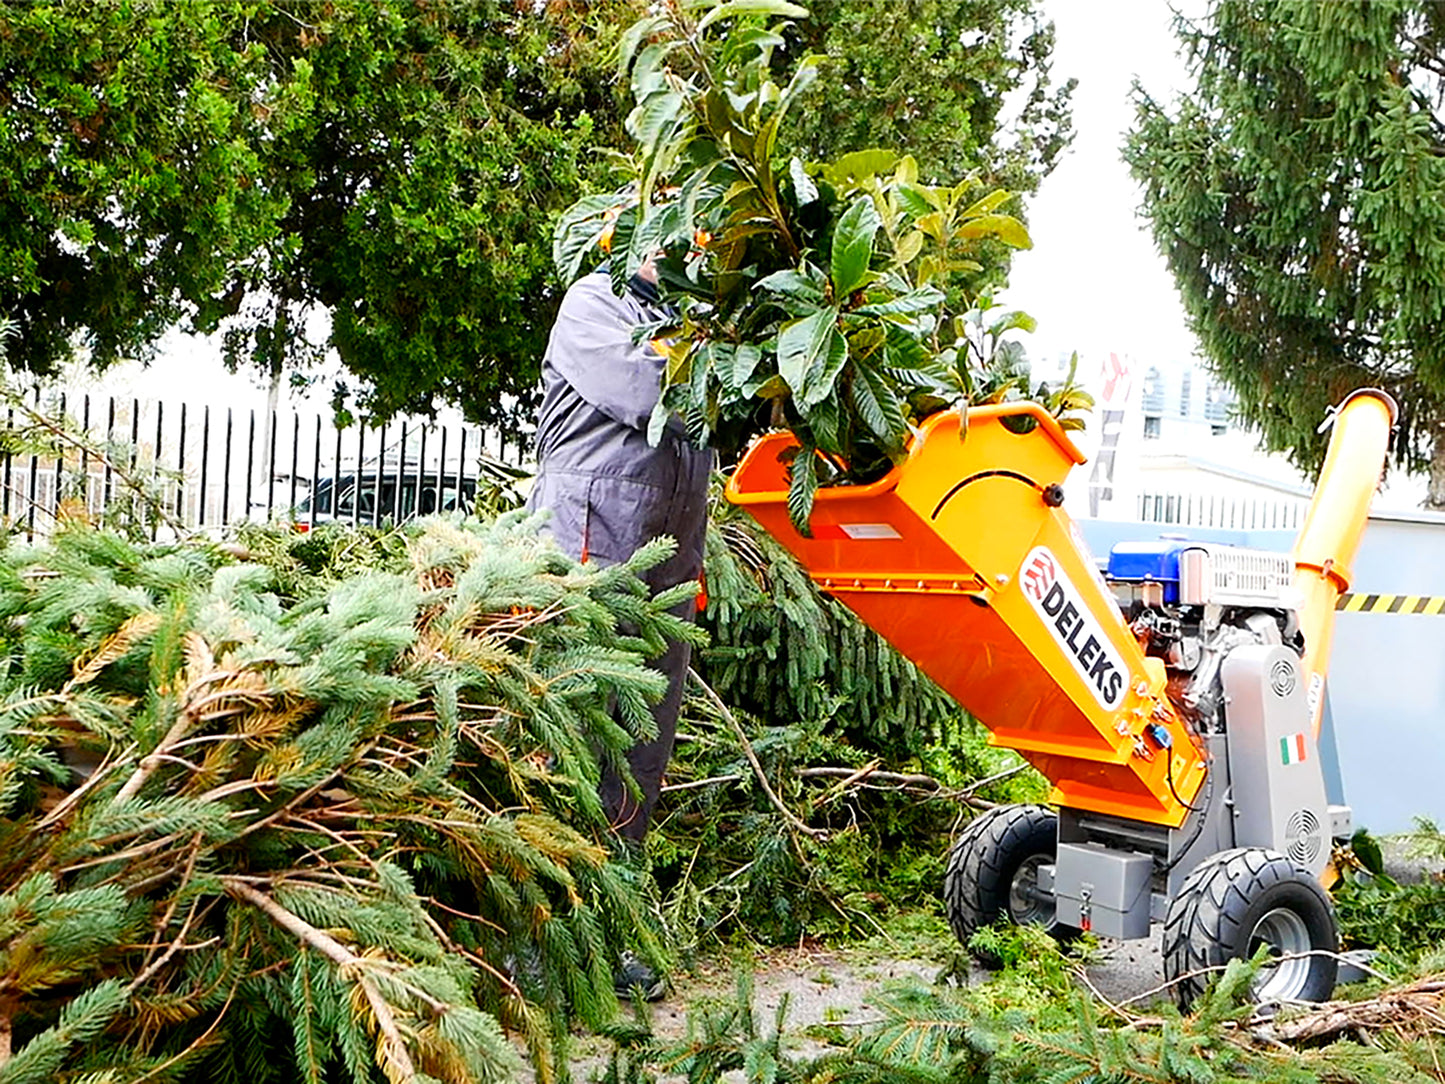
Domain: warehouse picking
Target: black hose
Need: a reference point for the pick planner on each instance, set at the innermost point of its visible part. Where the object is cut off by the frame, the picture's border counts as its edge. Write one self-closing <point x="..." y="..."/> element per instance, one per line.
<point x="1202" y="809"/>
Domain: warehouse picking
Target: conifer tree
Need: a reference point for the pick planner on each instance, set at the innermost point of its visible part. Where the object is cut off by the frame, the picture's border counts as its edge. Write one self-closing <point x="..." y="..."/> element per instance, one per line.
<point x="1297" y="192"/>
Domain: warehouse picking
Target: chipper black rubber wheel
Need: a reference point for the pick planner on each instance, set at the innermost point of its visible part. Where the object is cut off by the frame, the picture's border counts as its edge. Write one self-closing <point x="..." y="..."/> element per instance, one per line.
<point x="1239" y="900"/>
<point x="993" y="869"/>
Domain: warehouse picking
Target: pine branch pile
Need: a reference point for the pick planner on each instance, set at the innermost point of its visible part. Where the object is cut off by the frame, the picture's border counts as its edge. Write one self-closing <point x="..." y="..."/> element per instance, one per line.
<point x="341" y="831"/>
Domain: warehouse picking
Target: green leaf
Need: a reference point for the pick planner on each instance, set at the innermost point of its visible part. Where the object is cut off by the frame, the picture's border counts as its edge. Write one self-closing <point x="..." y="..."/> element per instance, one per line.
<point x="853" y="245"/>
<point x="908" y="248"/>
<point x="924" y="299"/>
<point x="655" y="124"/>
<point x="699" y="417"/>
<point x="825" y="423"/>
<point x="735" y="364"/>
<point x="989" y="203"/>
<point x="672" y="399"/>
<point x="1006" y="228"/>
<point x="865" y="402"/>
<point x="818" y="381"/>
<point x="634" y="36"/>
<point x="803" y="78"/>
<point x="649" y="73"/>
<point x="802" y="487"/>
<point x="719" y="359"/>
<point x="1367" y="850"/>
<point x="794" y="284"/>
<point x="578" y="231"/>
<point x="903" y="350"/>
<point x="1011" y="321"/>
<point x="623" y="262"/>
<point x="914" y="200"/>
<point x="803" y="186"/>
<point x="654" y="117"/>
<point x="852" y="169"/>
<point x="757" y="37"/>
<point x="734" y="8"/>
<point x="802" y="344"/>
<point x="773" y="387"/>
<point x="895" y="420"/>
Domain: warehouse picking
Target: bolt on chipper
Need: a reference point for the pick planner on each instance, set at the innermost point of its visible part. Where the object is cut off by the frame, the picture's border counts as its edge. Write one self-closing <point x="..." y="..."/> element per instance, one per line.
<point x="1174" y="701"/>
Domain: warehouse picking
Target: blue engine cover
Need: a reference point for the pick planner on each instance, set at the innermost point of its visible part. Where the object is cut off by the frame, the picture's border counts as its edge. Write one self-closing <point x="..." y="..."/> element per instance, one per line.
<point x="1154" y="561"/>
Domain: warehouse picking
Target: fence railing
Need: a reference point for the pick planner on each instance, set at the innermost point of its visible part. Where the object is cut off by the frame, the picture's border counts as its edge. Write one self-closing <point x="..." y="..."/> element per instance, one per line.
<point x="176" y="466"/>
<point x="1237" y="513"/>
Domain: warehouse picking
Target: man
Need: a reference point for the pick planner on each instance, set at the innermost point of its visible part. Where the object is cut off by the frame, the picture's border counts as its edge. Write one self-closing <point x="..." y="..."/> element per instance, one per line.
<point x="609" y="491"/>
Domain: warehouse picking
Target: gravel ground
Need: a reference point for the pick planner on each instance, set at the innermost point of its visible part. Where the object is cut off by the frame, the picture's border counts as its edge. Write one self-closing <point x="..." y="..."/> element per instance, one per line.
<point x="828" y="987"/>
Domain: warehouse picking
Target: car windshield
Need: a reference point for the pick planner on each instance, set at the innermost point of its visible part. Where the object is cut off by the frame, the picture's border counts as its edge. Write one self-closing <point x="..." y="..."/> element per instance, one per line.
<point x="370" y="497"/>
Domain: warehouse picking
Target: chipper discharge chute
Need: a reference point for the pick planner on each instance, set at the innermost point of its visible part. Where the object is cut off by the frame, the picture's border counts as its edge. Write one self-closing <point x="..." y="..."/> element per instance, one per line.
<point x="1173" y="703"/>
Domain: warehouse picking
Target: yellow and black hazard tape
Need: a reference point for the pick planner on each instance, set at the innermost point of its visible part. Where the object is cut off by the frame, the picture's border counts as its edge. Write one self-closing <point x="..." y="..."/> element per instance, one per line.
<point x="1352" y="603"/>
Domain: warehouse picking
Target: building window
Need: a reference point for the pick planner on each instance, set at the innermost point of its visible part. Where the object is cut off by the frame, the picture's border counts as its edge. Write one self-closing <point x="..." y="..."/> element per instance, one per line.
<point x="1217" y="401"/>
<point x="1151" y="427"/>
<point x="1153" y="390"/>
<point x="1185" y="387"/>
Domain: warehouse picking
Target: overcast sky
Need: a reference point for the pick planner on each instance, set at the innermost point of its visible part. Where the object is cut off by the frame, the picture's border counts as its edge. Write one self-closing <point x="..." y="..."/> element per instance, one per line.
<point x="1093" y="279"/>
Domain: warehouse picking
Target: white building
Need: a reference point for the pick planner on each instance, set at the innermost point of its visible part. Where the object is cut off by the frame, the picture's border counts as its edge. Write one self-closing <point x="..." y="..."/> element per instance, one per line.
<point x="1165" y="444"/>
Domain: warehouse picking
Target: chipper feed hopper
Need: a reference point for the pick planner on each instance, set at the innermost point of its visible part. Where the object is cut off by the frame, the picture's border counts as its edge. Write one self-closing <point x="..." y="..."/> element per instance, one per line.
<point x="1173" y="701"/>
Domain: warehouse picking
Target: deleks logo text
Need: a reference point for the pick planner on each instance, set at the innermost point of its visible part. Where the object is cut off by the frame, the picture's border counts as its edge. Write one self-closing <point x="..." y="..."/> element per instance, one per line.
<point x="1074" y="626"/>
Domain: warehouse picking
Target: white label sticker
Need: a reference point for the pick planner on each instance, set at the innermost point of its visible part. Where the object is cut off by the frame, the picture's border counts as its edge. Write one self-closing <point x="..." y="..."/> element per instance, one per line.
<point x="869" y="530"/>
<point x="1074" y="626"/>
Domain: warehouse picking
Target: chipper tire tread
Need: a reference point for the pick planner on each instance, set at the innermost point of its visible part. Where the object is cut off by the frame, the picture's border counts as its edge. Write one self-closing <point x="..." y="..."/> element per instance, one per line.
<point x="984" y="860"/>
<point x="1212" y="918"/>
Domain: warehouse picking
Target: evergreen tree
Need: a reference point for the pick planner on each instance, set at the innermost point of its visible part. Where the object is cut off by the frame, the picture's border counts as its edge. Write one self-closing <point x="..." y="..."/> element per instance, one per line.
<point x="1298" y="195"/>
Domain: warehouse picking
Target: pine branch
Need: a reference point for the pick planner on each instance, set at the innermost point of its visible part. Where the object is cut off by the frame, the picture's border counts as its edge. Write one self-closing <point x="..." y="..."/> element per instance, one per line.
<point x="398" y="1060"/>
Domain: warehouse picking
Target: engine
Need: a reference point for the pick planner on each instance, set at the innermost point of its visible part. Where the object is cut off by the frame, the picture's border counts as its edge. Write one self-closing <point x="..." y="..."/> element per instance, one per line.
<point x="1192" y="603"/>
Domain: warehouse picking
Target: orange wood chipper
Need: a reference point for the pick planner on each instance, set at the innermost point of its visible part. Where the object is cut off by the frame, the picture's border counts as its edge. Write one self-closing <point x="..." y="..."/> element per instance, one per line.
<point x="1173" y="699"/>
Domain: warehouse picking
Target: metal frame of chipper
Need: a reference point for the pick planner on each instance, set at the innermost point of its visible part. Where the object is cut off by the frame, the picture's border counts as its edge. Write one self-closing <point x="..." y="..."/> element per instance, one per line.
<point x="1174" y="702"/>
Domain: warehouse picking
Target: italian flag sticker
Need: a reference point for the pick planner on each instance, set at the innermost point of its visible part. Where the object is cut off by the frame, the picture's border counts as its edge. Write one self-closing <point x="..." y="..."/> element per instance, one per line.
<point x="1292" y="748"/>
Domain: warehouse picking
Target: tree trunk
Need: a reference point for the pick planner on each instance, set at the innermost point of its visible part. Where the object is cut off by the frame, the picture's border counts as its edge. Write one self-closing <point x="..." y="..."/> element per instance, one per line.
<point x="1435" y="493"/>
<point x="280" y="327"/>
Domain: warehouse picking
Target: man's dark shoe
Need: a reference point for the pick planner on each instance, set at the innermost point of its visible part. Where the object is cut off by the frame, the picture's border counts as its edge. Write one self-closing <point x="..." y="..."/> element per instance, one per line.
<point x="633" y="976"/>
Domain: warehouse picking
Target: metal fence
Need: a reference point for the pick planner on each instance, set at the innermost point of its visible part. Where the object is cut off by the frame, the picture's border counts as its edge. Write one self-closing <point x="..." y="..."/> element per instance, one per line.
<point x="1237" y="513"/>
<point x="172" y="466"/>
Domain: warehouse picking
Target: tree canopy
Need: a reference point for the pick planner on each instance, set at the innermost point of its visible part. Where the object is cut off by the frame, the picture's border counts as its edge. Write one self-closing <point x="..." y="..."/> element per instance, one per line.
<point x="965" y="86"/>
<point x="239" y="165"/>
<point x="224" y="163"/>
<point x="1298" y="195"/>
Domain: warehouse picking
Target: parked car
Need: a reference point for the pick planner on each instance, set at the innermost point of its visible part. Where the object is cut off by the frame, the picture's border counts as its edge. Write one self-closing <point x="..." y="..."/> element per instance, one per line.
<point x="373" y="497"/>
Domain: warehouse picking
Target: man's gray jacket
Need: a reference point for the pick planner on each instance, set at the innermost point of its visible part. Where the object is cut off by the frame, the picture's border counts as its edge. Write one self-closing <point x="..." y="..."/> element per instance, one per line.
<point x="608" y="489"/>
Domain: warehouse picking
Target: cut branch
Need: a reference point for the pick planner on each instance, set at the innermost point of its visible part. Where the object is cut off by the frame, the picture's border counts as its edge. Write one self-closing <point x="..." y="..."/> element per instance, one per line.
<point x="339" y="954"/>
<point x="752" y="758"/>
